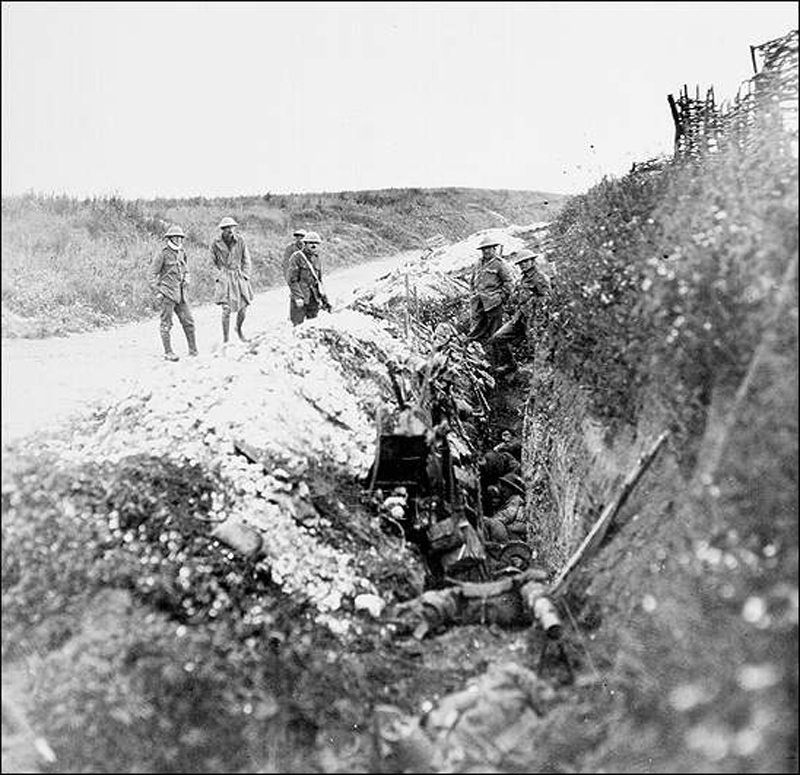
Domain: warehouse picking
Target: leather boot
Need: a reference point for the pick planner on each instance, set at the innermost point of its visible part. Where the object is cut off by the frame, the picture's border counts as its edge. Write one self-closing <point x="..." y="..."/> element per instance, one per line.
<point x="239" y="323"/>
<point x="190" y="340"/>
<point x="168" y="354"/>
<point x="226" y="329"/>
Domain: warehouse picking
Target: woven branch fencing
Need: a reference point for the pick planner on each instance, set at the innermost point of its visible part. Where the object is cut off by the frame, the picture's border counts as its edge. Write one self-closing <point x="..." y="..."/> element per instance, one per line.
<point x="702" y="125"/>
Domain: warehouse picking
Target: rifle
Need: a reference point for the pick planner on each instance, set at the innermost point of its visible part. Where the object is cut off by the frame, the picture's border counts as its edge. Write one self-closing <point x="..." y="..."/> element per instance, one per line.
<point x="319" y="292"/>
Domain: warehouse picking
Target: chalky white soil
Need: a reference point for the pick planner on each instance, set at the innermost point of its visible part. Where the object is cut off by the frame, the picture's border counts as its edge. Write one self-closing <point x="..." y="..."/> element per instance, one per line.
<point x="45" y="381"/>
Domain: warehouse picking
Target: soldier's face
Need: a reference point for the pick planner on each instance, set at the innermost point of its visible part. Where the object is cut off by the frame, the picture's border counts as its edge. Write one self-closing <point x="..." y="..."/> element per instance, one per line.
<point x="488" y="252"/>
<point x="312" y="247"/>
<point x="227" y="232"/>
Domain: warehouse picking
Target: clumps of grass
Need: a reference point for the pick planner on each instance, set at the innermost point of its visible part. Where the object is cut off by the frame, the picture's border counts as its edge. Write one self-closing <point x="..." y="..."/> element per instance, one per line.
<point x="71" y="265"/>
<point x="667" y="280"/>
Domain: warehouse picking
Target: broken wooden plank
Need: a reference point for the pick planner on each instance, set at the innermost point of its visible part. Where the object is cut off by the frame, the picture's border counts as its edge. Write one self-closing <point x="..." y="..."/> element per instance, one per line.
<point x="599" y="529"/>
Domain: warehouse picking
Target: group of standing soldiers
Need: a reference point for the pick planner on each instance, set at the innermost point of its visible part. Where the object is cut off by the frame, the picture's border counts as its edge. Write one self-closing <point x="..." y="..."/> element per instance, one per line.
<point x="491" y="287"/>
<point x="233" y="290"/>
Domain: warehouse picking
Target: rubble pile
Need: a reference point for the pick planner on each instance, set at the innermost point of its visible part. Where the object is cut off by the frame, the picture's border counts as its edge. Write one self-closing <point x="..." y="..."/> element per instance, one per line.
<point x="292" y="395"/>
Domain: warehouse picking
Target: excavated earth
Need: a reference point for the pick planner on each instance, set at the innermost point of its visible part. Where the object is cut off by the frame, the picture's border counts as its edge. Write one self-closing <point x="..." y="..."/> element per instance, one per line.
<point x="280" y="436"/>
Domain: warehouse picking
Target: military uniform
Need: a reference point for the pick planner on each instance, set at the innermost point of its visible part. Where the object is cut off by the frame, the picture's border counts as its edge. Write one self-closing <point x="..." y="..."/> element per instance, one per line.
<point x="533" y="287"/>
<point x="490" y="286"/>
<point x="290" y="250"/>
<point x="169" y="274"/>
<point x="304" y="286"/>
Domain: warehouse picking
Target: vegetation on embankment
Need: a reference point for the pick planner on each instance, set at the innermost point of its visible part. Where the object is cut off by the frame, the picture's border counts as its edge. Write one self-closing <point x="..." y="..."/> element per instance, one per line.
<point x="669" y="283"/>
<point x="675" y="308"/>
<point x="71" y="265"/>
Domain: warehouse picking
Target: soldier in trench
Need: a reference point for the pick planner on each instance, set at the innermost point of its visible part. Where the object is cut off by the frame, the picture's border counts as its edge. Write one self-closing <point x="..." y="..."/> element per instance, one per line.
<point x="533" y="289"/>
<point x="509" y="443"/>
<point x="507" y="511"/>
<point x="490" y="287"/>
<point x="232" y="288"/>
<point x="169" y="277"/>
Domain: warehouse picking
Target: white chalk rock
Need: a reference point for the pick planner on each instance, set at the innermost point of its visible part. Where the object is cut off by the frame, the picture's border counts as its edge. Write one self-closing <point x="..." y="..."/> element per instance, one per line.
<point x="370" y="603"/>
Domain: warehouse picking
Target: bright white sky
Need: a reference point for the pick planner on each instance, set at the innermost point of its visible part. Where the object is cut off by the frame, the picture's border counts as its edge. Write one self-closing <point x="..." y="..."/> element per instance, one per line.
<point x="184" y="99"/>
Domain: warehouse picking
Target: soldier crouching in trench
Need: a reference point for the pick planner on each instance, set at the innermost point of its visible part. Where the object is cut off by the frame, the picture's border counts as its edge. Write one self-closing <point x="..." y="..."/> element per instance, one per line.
<point x="170" y="279"/>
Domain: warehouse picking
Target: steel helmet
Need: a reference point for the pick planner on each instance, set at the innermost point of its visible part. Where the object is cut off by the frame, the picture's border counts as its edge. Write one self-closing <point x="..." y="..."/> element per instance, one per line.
<point x="487" y="242"/>
<point x="227" y="221"/>
<point x="514" y="482"/>
<point x="299" y="233"/>
<point x="312" y="236"/>
<point x="174" y="231"/>
<point x="524" y="255"/>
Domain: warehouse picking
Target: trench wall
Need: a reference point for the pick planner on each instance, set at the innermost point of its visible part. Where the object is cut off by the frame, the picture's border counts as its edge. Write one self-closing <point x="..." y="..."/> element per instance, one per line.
<point x="573" y="463"/>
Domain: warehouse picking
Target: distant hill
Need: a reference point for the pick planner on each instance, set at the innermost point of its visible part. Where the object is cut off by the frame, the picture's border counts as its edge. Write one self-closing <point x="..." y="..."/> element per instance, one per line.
<point x="74" y="264"/>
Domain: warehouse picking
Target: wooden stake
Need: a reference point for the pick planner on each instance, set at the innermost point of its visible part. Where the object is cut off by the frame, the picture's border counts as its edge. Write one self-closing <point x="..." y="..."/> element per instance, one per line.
<point x="599" y="529"/>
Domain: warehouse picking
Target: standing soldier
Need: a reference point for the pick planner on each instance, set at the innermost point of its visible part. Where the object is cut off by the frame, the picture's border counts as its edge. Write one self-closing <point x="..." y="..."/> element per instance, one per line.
<point x="490" y="285"/>
<point x="232" y="289"/>
<point x="169" y="277"/>
<point x="305" y="281"/>
<point x="533" y="289"/>
<point x="291" y="249"/>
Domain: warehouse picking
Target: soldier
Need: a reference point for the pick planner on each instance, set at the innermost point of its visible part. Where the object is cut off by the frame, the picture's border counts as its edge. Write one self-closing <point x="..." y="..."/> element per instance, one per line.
<point x="533" y="288"/>
<point x="291" y="249"/>
<point x="509" y="443"/>
<point x="305" y="281"/>
<point x="508" y="521"/>
<point x="490" y="286"/>
<point x="232" y="289"/>
<point x="169" y="276"/>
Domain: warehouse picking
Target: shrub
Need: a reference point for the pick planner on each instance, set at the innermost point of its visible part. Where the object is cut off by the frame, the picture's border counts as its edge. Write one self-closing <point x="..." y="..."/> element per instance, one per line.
<point x="666" y="280"/>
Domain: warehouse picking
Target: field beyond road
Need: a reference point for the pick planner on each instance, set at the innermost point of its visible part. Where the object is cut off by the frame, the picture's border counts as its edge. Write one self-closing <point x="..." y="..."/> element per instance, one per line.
<point x="72" y="265"/>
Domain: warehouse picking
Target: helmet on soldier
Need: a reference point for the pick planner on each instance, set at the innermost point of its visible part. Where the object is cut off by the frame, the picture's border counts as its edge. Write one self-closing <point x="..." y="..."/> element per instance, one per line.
<point x="487" y="241"/>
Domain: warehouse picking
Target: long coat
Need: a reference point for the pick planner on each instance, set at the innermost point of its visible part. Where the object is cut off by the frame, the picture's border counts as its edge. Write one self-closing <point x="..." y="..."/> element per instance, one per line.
<point x="232" y="284"/>
<point x="301" y="281"/>
<point x="169" y="273"/>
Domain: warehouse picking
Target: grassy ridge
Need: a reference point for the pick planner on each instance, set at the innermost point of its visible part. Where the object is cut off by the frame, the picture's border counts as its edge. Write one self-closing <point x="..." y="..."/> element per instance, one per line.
<point x="676" y="297"/>
<point x="71" y="265"/>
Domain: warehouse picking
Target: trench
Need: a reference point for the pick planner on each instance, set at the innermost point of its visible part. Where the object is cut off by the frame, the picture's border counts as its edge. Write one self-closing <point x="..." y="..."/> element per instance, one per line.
<point x="501" y="633"/>
<point x="488" y="648"/>
<point x="468" y="654"/>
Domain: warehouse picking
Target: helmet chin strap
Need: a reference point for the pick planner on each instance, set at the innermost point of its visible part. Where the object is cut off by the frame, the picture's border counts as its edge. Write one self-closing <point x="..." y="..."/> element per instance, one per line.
<point x="174" y="245"/>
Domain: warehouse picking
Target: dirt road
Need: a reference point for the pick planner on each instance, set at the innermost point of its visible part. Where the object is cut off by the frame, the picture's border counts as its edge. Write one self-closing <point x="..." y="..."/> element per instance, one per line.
<point x="45" y="381"/>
